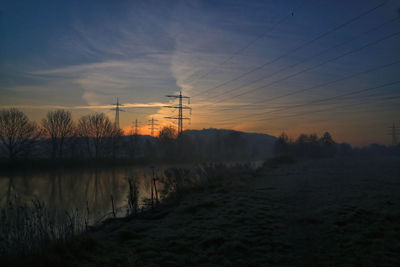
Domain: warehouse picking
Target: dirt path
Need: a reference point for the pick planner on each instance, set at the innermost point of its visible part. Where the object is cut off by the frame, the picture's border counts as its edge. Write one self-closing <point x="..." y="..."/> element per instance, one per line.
<point x="326" y="212"/>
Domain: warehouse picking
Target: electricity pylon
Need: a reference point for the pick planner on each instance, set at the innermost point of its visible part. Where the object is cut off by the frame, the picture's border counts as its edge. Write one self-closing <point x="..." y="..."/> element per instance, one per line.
<point x="136" y="127"/>
<point x="394" y="134"/>
<point x="152" y="128"/>
<point x="180" y="108"/>
<point x="117" y="110"/>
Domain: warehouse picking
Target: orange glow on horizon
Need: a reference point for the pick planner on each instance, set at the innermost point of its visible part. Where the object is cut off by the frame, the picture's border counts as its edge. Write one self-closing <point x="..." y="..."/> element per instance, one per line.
<point x="144" y="130"/>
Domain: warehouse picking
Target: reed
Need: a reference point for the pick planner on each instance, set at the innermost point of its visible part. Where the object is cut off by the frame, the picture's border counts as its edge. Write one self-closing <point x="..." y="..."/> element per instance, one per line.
<point x="32" y="227"/>
<point x="133" y="196"/>
<point x="29" y="227"/>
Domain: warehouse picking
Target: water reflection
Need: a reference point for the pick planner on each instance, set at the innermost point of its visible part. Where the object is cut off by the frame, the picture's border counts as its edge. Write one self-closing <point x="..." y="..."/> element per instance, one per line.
<point x="89" y="189"/>
<point x="86" y="191"/>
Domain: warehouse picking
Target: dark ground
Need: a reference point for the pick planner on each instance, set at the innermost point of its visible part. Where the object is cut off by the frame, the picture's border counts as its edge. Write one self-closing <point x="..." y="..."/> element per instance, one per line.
<point x="313" y="213"/>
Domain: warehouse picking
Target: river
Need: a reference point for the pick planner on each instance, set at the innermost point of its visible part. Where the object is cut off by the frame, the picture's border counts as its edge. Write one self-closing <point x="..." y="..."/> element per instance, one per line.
<point x="90" y="190"/>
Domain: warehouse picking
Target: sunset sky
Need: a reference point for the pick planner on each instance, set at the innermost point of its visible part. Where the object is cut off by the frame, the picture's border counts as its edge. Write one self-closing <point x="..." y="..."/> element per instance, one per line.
<point x="255" y="66"/>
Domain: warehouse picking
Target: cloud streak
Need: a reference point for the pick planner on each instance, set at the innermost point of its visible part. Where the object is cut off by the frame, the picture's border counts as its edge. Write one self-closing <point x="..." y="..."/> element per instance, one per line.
<point x="88" y="107"/>
<point x="141" y="51"/>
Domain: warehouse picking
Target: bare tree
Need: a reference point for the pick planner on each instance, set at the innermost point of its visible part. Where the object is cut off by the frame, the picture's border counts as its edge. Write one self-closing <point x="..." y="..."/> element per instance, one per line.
<point x="167" y="135"/>
<point x="17" y="133"/>
<point x="132" y="143"/>
<point x="114" y="140"/>
<point x="328" y="146"/>
<point x="99" y="132"/>
<point x="282" y="145"/>
<point x="58" y="125"/>
<point x="166" y="139"/>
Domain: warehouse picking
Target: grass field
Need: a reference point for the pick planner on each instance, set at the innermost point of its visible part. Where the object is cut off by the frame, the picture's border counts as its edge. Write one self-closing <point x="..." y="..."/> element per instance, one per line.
<point x="310" y="213"/>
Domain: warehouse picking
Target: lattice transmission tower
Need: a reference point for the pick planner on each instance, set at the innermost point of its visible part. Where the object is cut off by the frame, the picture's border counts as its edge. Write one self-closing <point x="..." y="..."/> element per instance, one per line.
<point x="117" y="111"/>
<point x="136" y="127"/>
<point x="180" y="108"/>
<point x="394" y="133"/>
<point x="152" y="124"/>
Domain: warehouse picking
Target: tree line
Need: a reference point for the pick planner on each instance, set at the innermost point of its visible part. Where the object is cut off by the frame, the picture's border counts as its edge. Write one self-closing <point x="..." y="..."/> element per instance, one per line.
<point x="306" y="145"/>
<point x="56" y="135"/>
<point x="94" y="136"/>
<point x="312" y="146"/>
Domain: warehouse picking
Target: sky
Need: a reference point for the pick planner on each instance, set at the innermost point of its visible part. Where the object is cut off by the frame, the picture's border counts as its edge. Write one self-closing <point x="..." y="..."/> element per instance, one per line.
<point x="256" y="66"/>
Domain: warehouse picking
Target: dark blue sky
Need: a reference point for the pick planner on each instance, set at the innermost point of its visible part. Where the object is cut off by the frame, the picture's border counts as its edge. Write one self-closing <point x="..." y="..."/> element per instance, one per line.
<point x="81" y="55"/>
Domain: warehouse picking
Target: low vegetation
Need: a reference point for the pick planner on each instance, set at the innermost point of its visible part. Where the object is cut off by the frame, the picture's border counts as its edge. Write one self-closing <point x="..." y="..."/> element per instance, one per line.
<point x="30" y="227"/>
<point x="27" y="228"/>
<point x="312" y="212"/>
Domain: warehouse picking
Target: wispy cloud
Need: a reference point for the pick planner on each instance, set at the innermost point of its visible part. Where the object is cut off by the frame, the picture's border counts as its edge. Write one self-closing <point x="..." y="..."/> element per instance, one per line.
<point x="99" y="81"/>
<point x="141" y="51"/>
<point x="93" y="107"/>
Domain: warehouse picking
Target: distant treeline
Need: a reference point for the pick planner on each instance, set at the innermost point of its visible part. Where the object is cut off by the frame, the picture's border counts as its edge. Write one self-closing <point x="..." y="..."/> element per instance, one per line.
<point x="312" y="146"/>
<point x="94" y="137"/>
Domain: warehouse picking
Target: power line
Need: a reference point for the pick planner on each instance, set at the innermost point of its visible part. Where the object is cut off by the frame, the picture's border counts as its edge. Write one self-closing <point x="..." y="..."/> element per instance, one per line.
<point x="336" y="108"/>
<point x="319" y="101"/>
<point x="369" y="99"/>
<point x="340" y="108"/>
<point x="324" y="84"/>
<point x="324" y="110"/>
<point x="247" y="45"/>
<point x="309" y="58"/>
<point x="313" y="67"/>
<point x="335" y="97"/>
<point x="297" y="48"/>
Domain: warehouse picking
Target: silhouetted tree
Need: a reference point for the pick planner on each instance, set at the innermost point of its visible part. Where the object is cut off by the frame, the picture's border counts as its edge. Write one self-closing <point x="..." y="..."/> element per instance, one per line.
<point x="281" y="146"/>
<point x="167" y="135"/>
<point x="166" y="139"/>
<point x="58" y="125"/>
<point x="301" y="145"/>
<point x="133" y="144"/>
<point x="97" y="131"/>
<point x="328" y="146"/>
<point x="313" y="148"/>
<point x="309" y="146"/>
<point x="17" y="133"/>
<point x="114" y="141"/>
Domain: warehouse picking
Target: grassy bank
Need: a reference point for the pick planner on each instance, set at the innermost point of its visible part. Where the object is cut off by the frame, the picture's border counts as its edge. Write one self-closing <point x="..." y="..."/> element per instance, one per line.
<point x="323" y="212"/>
<point x="30" y="230"/>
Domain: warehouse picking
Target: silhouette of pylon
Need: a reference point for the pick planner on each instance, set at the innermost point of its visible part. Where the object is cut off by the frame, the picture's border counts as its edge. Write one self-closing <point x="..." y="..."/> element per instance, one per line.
<point x="180" y="108"/>
<point x="117" y="110"/>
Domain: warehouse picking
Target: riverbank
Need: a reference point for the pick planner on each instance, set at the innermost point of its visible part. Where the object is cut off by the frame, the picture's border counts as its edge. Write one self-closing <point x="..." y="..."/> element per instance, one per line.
<point x="83" y="163"/>
<point x="40" y="165"/>
<point x="322" y="212"/>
